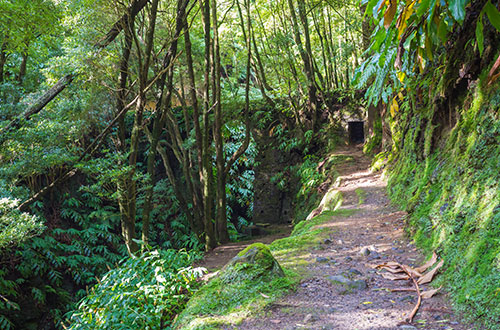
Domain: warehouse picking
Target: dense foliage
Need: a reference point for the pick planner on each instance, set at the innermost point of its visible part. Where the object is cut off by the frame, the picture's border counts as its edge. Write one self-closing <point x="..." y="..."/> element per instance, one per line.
<point x="142" y="293"/>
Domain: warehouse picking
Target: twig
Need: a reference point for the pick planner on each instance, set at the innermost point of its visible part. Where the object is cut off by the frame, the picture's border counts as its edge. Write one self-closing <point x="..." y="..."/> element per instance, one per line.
<point x="409" y="319"/>
<point x="403" y="290"/>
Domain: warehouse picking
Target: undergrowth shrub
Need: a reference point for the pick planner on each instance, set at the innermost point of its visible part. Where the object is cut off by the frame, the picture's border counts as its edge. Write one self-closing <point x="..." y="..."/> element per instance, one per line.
<point x="144" y="292"/>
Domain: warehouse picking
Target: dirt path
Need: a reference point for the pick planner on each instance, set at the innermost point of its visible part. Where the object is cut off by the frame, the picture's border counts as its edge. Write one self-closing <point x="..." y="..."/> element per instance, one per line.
<point x="318" y="303"/>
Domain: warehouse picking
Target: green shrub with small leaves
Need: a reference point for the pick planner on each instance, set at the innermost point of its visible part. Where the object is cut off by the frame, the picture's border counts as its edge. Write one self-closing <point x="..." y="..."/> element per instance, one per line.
<point x="144" y="292"/>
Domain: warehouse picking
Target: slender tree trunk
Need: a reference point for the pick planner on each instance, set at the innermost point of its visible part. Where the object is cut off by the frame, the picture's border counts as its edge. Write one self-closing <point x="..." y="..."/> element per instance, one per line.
<point x="130" y="195"/>
<point x="198" y="203"/>
<point x="306" y="55"/>
<point x="121" y="142"/>
<point x="3" y="58"/>
<point x="207" y="175"/>
<point x="22" y="67"/>
<point x="220" y="218"/>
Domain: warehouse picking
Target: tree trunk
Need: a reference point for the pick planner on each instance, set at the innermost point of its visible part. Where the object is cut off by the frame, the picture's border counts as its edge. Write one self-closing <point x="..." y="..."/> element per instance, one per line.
<point x="22" y="67"/>
<point x="210" y="240"/>
<point x="3" y="58"/>
<point x="220" y="218"/>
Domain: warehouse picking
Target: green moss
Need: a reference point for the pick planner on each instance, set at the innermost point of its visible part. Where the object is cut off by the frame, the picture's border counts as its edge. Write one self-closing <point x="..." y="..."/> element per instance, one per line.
<point x="361" y="195"/>
<point x="453" y="196"/>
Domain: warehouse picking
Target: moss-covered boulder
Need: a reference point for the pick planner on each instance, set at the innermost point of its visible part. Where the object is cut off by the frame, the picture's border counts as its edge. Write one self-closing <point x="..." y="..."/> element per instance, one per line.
<point x="253" y="262"/>
<point x="249" y="282"/>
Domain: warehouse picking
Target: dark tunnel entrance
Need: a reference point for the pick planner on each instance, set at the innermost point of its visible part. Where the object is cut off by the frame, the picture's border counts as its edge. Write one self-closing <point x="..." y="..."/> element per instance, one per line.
<point x="356" y="132"/>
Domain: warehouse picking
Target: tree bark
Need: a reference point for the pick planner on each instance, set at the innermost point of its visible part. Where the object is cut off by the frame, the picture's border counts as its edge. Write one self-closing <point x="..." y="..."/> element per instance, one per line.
<point x="220" y="218"/>
<point x="210" y="240"/>
<point x="3" y="58"/>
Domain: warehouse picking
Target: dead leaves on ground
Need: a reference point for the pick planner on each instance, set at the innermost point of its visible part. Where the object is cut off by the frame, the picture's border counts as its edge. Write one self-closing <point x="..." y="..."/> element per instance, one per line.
<point x="397" y="272"/>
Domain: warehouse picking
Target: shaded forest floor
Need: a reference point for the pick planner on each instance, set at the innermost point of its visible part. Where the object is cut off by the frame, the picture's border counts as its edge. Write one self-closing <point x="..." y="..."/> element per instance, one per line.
<point x="372" y="234"/>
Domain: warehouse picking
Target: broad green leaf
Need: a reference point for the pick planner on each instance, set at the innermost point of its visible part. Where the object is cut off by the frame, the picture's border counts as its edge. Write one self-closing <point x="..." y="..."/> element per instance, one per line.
<point x="493" y="15"/>
<point x="423" y="6"/>
<point x="369" y="7"/>
<point x="442" y="31"/>
<point x="377" y="8"/>
<point x="479" y="35"/>
<point x="457" y="8"/>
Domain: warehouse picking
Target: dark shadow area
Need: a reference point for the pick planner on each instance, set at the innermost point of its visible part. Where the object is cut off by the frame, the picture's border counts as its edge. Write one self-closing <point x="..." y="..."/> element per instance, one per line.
<point x="356" y="132"/>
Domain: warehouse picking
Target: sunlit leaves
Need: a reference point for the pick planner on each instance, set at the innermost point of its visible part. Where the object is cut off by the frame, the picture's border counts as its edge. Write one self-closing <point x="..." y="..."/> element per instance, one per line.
<point x="16" y="226"/>
<point x="143" y="293"/>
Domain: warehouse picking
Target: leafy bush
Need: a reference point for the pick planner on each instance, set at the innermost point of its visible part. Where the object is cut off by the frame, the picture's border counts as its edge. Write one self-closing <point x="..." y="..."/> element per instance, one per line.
<point x="143" y="293"/>
<point x="16" y="226"/>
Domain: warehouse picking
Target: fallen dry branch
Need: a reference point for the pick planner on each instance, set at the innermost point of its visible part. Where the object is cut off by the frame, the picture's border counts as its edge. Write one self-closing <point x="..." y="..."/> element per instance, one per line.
<point x="396" y="271"/>
<point x="409" y="319"/>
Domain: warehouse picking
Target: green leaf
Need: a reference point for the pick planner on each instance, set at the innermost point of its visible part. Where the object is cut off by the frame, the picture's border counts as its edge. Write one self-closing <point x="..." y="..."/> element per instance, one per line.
<point x="457" y="8"/>
<point x="422" y="7"/>
<point x="493" y="15"/>
<point x="442" y="31"/>
<point x="479" y="35"/>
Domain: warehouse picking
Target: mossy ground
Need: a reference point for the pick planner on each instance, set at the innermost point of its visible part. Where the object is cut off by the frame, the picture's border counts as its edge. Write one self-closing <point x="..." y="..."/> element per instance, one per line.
<point x="453" y="195"/>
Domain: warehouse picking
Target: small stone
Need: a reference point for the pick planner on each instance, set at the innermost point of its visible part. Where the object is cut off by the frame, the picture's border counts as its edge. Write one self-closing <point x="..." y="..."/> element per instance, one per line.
<point x="365" y="251"/>
<point x="340" y="242"/>
<point x="321" y="259"/>
<point x="348" y="259"/>
<point x="437" y="317"/>
<point x="374" y="255"/>
<point x="339" y="279"/>
<point x="310" y="318"/>
<point x="380" y="237"/>
<point x="355" y="271"/>
<point x="407" y="298"/>
<point x="407" y="327"/>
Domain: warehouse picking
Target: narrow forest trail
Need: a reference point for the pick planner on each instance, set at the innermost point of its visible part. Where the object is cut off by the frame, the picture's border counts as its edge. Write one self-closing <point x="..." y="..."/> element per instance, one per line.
<point x="320" y="304"/>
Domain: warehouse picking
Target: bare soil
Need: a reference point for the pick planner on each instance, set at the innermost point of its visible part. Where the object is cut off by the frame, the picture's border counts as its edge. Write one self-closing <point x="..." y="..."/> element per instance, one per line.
<point x="320" y="303"/>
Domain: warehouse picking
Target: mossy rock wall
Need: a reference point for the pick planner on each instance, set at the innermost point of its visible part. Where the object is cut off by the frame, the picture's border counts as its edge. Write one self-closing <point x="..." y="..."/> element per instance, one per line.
<point x="447" y="176"/>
